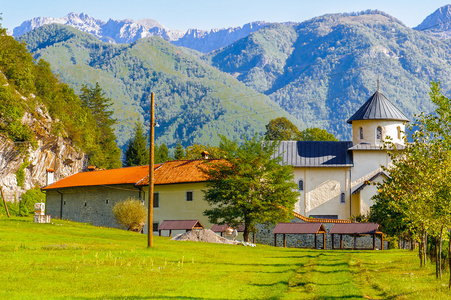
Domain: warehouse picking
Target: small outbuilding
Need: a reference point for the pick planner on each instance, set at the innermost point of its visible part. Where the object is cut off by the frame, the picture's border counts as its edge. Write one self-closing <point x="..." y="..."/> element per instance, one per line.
<point x="299" y="228"/>
<point x="187" y="225"/>
<point x="356" y="230"/>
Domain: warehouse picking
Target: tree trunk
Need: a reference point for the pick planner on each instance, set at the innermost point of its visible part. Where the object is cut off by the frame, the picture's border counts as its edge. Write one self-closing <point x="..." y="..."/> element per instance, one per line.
<point x="440" y="253"/>
<point x="246" y="233"/>
<point x="436" y="256"/>
<point x="425" y="248"/>
<point x="449" y="258"/>
<point x="420" y="251"/>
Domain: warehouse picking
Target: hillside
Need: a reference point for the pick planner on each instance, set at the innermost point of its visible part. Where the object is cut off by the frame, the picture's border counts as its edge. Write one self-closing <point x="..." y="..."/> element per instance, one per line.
<point x="196" y="102"/>
<point x="323" y="69"/>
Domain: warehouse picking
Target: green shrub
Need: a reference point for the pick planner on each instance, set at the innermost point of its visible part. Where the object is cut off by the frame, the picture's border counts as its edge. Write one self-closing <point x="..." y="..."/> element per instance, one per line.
<point x="20" y="174"/>
<point x="131" y="214"/>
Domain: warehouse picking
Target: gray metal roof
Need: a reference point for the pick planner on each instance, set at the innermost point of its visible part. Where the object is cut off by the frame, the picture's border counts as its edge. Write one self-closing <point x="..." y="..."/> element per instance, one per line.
<point x="304" y="228"/>
<point x="315" y="154"/>
<point x="378" y="107"/>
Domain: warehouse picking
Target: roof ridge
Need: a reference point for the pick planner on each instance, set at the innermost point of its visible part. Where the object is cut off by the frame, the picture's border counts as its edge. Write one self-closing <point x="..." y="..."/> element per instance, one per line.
<point x="310" y="220"/>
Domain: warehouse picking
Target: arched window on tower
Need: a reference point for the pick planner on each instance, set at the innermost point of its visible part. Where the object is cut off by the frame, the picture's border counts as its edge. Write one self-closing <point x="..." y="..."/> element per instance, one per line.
<point x="379" y="133"/>
<point x="301" y="185"/>
<point x="361" y="133"/>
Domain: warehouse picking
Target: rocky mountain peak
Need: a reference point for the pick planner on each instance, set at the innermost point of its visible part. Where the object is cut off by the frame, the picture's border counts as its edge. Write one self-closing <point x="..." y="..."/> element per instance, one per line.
<point x="128" y="31"/>
<point x="438" y="23"/>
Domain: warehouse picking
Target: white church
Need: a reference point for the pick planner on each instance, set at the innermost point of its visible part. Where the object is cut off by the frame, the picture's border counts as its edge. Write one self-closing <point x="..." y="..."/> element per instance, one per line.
<point x="333" y="177"/>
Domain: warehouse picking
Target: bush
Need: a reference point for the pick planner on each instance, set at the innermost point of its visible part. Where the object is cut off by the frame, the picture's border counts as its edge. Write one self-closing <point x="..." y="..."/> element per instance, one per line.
<point x="131" y="214"/>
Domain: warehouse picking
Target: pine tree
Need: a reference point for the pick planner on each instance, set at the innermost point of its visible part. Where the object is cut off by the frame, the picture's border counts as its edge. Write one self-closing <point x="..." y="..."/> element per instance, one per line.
<point x="137" y="152"/>
<point x="179" y="152"/>
<point x="105" y="154"/>
<point x="161" y="153"/>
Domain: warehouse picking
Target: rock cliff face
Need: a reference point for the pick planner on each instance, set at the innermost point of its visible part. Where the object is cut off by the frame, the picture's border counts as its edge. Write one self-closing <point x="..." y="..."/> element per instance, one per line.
<point x="51" y="151"/>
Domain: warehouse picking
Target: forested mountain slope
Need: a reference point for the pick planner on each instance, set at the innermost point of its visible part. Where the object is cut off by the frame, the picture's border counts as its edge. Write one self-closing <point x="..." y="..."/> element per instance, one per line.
<point x="323" y="69"/>
<point x="196" y="102"/>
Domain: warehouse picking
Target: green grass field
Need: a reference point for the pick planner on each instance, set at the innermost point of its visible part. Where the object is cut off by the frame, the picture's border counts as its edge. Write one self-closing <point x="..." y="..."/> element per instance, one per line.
<point x="78" y="261"/>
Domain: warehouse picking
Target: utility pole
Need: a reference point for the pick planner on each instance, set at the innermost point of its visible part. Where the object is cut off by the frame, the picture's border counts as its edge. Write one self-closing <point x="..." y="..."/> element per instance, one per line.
<point x="151" y="174"/>
<point x="4" y="202"/>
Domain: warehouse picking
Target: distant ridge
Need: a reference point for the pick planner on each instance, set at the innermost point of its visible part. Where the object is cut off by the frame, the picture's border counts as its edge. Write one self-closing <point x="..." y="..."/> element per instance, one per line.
<point x="128" y="31"/>
<point x="438" y="23"/>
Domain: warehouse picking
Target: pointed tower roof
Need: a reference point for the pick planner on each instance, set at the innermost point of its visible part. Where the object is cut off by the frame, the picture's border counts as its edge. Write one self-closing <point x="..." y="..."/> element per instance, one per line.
<point x="378" y="107"/>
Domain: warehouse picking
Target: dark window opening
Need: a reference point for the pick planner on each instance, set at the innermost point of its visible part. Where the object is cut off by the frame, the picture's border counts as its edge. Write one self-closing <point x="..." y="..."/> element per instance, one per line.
<point x="323" y="216"/>
<point x="342" y="198"/>
<point x="189" y="196"/>
<point x="379" y="133"/>
<point x="301" y="185"/>
<point x="155" y="226"/>
<point x="156" y="199"/>
<point x="86" y="204"/>
<point x="106" y="201"/>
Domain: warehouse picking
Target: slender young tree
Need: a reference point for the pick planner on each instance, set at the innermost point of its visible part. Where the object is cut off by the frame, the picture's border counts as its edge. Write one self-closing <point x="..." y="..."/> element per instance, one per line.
<point x="249" y="186"/>
<point x="137" y="152"/>
<point x="419" y="185"/>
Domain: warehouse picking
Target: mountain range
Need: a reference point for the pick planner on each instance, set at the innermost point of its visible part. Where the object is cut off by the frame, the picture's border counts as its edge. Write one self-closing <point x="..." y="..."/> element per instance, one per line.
<point x="128" y="31"/>
<point x="318" y="71"/>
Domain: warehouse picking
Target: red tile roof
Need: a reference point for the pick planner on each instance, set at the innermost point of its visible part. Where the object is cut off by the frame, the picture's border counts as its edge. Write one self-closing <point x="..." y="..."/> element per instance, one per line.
<point x="296" y="228"/>
<point x="129" y="175"/>
<point x="180" y="171"/>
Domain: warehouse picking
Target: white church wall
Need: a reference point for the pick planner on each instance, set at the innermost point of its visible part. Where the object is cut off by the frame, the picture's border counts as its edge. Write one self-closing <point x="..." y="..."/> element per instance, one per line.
<point x="322" y="191"/>
<point x="367" y="163"/>
<point x="369" y="127"/>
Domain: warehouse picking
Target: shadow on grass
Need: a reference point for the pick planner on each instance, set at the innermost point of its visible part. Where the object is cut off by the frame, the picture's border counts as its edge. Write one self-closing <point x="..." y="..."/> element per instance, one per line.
<point x="154" y="297"/>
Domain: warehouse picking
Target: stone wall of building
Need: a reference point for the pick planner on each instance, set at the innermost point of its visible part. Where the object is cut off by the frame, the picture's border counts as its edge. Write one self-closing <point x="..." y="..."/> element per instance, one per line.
<point x="88" y="204"/>
<point x="265" y="236"/>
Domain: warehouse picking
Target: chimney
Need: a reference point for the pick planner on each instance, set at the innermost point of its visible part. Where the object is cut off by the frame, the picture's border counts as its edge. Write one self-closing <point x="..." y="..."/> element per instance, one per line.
<point x="50" y="176"/>
<point x="205" y="154"/>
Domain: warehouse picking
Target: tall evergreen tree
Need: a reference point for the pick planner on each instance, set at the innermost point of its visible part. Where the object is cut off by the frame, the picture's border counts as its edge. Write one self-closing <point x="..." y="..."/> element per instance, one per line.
<point x="161" y="153"/>
<point x="179" y="152"/>
<point x="137" y="152"/>
<point x="105" y="154"/>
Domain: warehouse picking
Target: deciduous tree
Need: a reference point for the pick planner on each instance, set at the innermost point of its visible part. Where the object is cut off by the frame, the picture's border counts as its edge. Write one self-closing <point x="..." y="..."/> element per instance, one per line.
<point x="249" y="186"/>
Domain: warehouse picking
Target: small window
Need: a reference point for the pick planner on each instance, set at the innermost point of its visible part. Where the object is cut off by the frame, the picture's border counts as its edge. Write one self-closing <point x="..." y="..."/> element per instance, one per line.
<point x="189" y="195"/>
<point x="301" y="185"/>
<point x="64" y="203"/>
<point x="342" y="198"/>
<point x="86" y="204"/>
<point x="379" y="133"/>
<point x="107" y="201"/>
<point x="156" y="199"/>
<point x="155" y="226"/>
<point x="361" y="133"/>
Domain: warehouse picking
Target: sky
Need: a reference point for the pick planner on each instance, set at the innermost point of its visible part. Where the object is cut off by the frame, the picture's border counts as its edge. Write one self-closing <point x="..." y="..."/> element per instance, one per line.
<point x="209" y="14"/>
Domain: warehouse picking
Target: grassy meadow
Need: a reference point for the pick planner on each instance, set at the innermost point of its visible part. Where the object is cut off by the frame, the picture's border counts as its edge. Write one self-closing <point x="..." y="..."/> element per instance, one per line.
<point x="68" y="260"/>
